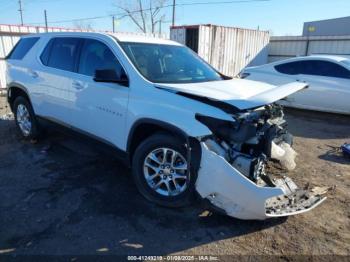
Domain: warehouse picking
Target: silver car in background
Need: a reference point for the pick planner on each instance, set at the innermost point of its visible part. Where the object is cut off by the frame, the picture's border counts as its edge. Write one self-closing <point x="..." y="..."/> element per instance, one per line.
<point x="328" y="78"/>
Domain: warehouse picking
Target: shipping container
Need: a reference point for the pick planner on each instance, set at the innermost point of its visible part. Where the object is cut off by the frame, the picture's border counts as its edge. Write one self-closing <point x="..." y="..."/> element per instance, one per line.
<point x="228" y="49"/>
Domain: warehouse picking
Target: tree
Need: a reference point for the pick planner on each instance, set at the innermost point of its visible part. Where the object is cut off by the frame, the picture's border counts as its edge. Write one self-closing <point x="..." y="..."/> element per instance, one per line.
<point x="145" y="14"/>
<point x="81" y="25"/>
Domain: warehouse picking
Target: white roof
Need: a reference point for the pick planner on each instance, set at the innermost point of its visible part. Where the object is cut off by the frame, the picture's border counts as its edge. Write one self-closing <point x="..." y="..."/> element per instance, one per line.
<point x="314" y="57"/>
<point x="122" y="37"/>
<point x="140" y="38"/>
<point x="329" y="57"/>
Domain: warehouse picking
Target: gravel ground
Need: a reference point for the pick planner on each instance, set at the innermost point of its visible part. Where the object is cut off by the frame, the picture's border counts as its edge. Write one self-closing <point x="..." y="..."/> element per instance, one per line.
<point x="62" y="196"/>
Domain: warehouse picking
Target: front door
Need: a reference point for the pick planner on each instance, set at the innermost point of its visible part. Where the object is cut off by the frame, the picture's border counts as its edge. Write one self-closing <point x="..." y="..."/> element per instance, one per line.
<point x="99" y="108"/>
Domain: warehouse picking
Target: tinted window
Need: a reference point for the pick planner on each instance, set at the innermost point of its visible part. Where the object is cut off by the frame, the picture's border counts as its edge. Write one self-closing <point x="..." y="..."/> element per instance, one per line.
<point x="325" y="68"/>
<point x="22" y="47"/>
<point x="292" y="68"/>
<point x="96" y="55"/>
<point x="64" y="53"/>
<point x="46" y="53"/>
<point x="314" y="67"/>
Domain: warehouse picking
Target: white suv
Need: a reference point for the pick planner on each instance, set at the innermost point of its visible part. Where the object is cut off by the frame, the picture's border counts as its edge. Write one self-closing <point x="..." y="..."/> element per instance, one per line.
<point x="182" y="126"/>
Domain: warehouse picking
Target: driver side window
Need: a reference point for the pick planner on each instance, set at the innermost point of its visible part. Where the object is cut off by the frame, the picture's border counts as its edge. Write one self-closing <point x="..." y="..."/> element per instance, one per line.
<point x="95" y="55"/>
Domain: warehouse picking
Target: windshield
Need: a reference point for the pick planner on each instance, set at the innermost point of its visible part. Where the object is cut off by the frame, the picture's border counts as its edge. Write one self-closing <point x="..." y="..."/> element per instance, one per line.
<point x="169" y="63"/>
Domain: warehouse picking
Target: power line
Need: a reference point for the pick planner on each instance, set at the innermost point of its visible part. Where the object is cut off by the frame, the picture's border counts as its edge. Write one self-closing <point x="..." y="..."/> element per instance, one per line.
<point x="124" y="14"/>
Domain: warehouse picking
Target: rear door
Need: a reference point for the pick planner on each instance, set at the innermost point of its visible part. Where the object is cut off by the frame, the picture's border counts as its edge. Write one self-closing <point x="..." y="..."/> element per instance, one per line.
<point x="99" y="108"/>
<point x="59" y="62"/>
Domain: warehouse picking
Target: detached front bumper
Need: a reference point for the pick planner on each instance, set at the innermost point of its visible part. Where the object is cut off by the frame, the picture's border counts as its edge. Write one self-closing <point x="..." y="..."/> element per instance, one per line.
<point x="228" y="189"/>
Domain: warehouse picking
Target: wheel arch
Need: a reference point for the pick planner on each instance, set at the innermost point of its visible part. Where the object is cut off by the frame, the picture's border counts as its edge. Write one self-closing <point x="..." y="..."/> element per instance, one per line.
<point x="14" y="90"/>
<point x="144" y="128"/>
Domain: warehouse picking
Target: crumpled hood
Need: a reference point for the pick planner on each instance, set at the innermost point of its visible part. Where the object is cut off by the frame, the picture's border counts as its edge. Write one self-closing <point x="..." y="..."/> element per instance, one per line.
<point x="240" y="93"/>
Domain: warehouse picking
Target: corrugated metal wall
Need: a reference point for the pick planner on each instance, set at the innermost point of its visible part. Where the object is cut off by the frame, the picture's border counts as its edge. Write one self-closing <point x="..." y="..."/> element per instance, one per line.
<point x="6" y="44"/>
<point x="282" y="47"/>
<point x="228" y="49"/>
<point x="10" y="34"/>
<point x="178" y="35"/>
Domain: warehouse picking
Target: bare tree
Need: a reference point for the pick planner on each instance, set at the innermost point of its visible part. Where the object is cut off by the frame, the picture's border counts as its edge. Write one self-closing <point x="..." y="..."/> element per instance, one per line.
<point x="145" y="14"/>
<point x="81" y="25"/>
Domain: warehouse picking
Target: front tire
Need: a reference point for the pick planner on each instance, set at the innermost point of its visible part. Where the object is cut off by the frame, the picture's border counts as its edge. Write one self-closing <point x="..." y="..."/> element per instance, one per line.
<point x="26" y="121"/>
<point x="161" y="171"/>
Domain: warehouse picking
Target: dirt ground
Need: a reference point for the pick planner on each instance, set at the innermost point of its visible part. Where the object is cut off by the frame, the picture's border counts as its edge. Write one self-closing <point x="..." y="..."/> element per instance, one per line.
<point x="61" y="196"/>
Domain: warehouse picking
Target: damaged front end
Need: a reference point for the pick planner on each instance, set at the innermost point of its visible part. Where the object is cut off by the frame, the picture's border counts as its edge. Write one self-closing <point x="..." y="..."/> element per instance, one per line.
<point x="242" y="162"/>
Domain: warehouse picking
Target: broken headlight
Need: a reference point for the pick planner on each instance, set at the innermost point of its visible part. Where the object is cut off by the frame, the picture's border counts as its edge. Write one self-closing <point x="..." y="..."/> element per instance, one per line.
<point x="228" y="130"/>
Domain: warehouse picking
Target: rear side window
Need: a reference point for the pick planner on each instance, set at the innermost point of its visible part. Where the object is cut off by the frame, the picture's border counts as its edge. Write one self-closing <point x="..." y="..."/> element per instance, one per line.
<point x="61" y="53"/>
<point x="326" y="68"/>
<point x="22" y="48"/>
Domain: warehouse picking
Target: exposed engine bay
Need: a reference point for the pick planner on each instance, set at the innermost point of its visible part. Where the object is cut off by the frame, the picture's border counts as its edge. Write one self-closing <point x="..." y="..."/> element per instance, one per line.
<point x="247" y="149"/>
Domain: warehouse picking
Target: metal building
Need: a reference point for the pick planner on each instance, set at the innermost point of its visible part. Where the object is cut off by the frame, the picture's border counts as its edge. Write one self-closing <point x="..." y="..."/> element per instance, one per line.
<point x="329" y="27"/>
<point x="283" y="47"/>
<point x="228" y="49"/>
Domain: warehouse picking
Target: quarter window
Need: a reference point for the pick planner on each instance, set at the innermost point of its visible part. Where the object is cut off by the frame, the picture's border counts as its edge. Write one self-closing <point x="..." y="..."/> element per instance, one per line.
<point x="97" y="56"/>
<point x="22" y="48"/>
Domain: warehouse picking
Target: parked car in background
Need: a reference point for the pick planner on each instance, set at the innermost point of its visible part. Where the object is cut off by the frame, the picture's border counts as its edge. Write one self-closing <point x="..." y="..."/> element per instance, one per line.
<point x="181" y="125"/>
<point x="328" y="78"/>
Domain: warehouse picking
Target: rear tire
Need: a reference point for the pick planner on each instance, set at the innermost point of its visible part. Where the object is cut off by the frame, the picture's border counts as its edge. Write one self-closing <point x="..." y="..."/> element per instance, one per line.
<point x="158" y="169"/>
<point x="26" y="121"/>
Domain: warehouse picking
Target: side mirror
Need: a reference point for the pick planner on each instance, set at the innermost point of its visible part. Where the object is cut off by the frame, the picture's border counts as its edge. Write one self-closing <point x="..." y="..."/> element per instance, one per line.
<point x="111" y="76"/>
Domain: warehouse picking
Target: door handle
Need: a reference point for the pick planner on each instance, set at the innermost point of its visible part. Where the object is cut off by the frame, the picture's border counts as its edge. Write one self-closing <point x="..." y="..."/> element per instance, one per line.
<point x="302" y="81"/>
<point x="77" y="85"/>
<point x="33" y="74"/>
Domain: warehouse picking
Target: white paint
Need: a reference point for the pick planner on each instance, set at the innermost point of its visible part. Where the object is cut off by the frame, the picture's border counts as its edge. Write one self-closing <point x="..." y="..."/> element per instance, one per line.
<point x="226" y="188"/>
<point x="241" y="93"/>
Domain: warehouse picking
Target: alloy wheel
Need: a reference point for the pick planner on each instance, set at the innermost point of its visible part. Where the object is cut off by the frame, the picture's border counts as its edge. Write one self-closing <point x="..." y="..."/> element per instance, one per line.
<point x="165" y="171"/>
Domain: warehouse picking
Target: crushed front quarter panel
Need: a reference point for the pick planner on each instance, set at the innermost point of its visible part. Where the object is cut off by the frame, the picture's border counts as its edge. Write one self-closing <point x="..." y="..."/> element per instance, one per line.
<point x="226" y="188"/>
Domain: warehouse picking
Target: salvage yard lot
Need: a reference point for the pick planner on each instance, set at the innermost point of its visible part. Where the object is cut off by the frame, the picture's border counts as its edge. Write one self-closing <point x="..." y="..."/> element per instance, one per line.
<point x="63" y="196"/>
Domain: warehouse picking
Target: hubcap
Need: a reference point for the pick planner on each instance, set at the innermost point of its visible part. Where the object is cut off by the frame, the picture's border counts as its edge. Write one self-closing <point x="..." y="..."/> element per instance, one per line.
<point x="23" y="119"/>
<point x="165" y="171"/>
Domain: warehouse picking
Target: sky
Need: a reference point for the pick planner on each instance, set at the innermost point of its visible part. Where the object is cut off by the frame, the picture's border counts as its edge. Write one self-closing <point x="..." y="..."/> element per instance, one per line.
<point x="281" y="17"/>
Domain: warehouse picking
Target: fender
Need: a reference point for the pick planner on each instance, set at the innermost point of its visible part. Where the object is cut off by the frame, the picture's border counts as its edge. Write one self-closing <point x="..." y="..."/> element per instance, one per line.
<point x="171" y="128"/>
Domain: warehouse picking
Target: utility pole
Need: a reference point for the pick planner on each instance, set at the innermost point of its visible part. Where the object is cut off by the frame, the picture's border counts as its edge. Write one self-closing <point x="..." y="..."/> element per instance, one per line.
<point x="160" y="27"/>
<point x="20" y="10"/>
<point x="45" y="14"/>
<point x="113" y="23"/>
<point x="174" y="4"/>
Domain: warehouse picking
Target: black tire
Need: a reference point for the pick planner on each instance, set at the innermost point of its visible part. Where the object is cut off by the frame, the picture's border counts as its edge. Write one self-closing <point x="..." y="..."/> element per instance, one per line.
<point x="34" y="130"/>
<point x="162" y="140"/>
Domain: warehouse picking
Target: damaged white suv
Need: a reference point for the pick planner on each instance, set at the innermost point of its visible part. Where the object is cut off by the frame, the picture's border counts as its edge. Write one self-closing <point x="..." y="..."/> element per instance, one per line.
<point x="182" y="126"/>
